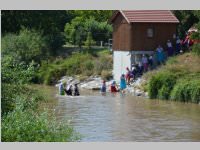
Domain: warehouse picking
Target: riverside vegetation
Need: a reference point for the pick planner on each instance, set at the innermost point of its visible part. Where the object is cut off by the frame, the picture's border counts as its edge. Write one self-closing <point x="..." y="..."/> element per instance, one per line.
<point x="29" y="51"/>
<point x="178" y="80"/>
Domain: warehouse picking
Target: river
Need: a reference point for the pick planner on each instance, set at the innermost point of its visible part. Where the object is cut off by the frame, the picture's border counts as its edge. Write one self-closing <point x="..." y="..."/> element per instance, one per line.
<point x="125" y="118"/>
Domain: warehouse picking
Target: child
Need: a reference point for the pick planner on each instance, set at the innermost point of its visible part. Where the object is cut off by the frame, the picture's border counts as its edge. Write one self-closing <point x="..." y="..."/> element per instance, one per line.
<point x="76" y="90"/>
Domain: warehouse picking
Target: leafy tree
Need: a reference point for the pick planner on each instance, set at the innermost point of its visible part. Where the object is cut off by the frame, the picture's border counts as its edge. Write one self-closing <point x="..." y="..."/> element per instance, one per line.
<point x="98" y="15"/>
<point x="187" y="19"/>
<point x="89" y="41"/>
<point x="100" y="31"/>
<point x="26" y="46"/>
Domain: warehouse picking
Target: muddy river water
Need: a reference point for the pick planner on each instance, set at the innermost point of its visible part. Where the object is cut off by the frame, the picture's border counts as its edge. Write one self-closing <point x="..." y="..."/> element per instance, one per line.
<point x="125" y="118"/>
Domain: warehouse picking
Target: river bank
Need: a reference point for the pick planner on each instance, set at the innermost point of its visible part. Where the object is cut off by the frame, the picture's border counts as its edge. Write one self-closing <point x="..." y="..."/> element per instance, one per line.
<point x="177" y="80"/>
<point x="30" y="117"/>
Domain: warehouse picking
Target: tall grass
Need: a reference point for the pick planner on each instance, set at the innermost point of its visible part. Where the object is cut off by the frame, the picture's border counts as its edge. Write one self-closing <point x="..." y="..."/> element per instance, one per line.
<point x="83" y="64"/>
<point x="178" y="80"/>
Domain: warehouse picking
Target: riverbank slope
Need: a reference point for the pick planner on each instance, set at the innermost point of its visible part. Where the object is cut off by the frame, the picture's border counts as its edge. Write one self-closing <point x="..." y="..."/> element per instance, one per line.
<point x="178" y="79"/>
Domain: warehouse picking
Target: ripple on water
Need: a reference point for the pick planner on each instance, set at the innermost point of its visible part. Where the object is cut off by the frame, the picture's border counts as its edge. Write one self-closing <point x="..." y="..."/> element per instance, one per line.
<point x="127" y="118"/>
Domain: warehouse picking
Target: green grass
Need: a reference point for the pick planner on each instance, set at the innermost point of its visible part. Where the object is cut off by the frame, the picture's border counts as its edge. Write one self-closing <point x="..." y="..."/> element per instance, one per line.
<point x="85" y="64"/>
<point x="178" y="80"/>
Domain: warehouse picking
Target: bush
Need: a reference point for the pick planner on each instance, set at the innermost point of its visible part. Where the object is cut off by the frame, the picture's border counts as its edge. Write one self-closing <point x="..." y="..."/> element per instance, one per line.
<point x="196" y="49"/>
<point x="27" y="126"/>
<point x="55" y="41"/>
<point x="103" y="63"/>
<point x="28" y="45"/>
<point x="161" y="84"/>
<point x="29" y="97"/>
<point x="186" y="91"/>
<point x="106" y="75"/>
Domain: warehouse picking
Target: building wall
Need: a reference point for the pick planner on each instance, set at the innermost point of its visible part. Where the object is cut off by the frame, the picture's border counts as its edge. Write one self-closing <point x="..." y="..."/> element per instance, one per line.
<point x="128" y="37"/>
<point x="121" y="60"/>
<point x="162" y="32"/>
<point x="121" y="34"/>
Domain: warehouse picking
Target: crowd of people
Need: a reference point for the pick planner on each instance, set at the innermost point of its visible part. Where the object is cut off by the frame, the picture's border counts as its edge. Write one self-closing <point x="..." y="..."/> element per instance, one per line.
<point x="148" y="62"/>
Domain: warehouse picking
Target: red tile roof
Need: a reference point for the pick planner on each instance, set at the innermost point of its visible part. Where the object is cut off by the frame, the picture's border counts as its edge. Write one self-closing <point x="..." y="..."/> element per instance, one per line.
<point x="161" y="16"/>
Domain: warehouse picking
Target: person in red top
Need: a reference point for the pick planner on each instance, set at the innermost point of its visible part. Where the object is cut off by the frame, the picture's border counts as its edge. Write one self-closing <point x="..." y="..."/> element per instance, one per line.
<point x="128" y="75"/>
<point x="113" y="87"/>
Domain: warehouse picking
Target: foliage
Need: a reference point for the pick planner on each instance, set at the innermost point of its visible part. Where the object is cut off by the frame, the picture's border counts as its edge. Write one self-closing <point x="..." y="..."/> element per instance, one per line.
<point x="161" y="84"/>
<point x="187" y="19"/>
<point x="99" y="15"/>
<point x="186" y="91"/>
<point x="86" y="29"/>
<point x="184" y="74"/>
<point x="196" y="49"/>
<point x="27" y="126"/>
<point x="50" y="23"/>
<point x="26" y="46"/>
<point x="77" y="64"/>
<point x="89" y="41"/>
<point x="106" y="75"/>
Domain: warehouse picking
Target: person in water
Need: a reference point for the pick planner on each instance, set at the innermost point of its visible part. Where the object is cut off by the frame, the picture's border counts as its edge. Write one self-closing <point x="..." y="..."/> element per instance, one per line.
<point x="113" y="87"/>
<point x="122" y="82"/>
<point x="103" y="87"/>
<point x="61" y="89"/>
<point x="69" y="90"/>
<point x="76" y="90"/>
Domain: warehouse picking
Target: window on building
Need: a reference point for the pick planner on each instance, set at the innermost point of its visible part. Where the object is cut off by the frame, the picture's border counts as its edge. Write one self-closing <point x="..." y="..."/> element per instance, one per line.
<point x="150" y="33"/>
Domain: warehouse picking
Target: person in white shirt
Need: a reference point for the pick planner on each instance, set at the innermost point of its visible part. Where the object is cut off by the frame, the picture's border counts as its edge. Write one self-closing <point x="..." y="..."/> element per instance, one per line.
<point x="170" y="48"/>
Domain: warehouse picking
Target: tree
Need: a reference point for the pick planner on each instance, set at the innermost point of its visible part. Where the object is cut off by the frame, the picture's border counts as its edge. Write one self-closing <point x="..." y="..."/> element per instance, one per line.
<point x="50" y="23"/>
<point x="100" y="31"/>
<point x="187" y="19"/>
<point x="89" y="41"/>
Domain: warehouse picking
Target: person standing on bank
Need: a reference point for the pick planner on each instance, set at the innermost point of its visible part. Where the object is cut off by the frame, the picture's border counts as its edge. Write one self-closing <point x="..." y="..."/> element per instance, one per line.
<point x="145" y="63"/>
<point x="170" y="48"/>
<point x="178" y="45"/>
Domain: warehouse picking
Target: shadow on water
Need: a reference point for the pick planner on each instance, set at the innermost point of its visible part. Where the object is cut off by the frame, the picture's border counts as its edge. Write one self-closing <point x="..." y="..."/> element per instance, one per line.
<point x="123" y="117"/>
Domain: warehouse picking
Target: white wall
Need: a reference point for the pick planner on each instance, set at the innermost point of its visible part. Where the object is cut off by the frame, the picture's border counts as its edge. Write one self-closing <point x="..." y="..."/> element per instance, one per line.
<point x="121" y="60"/>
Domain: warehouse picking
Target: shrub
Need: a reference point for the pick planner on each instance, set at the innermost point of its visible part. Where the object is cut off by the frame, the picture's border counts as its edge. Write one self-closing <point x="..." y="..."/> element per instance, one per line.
<point x="186" y="91"/>
<point x="161" y="84"/>
<point x="28" y="45"/>
<point x="88" y="65"/>
<point x="196" y="49"/>
<point x="106" y="75"/>
<point x="27" y="126"/>
<point x="29" y="97"/>
<point x="103" y="63"/>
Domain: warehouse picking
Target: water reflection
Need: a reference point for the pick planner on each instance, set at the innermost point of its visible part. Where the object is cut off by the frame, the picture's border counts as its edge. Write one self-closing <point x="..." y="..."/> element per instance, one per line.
<point x="122" y="117"/>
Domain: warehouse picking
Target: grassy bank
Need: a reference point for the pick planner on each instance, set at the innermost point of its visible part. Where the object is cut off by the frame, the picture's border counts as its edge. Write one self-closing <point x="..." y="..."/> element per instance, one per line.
<point x="81" y="64"/>
<point x="24" y="120"/>
<point x="178" y="80"/>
